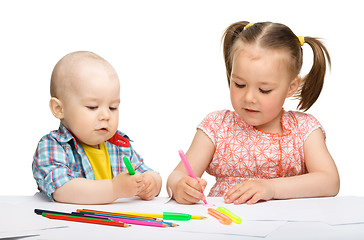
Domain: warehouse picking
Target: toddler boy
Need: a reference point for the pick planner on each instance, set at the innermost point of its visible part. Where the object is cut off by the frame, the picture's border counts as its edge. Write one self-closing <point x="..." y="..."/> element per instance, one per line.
<point x="81" y="162"/>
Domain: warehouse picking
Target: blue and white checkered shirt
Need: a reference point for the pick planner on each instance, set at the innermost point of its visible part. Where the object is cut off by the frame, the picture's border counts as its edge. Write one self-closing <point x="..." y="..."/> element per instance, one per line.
<point x="59" y="159"/>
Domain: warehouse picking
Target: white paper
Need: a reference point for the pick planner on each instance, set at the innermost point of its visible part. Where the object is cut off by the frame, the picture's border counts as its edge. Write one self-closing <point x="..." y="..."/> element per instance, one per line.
<point x="20" y="220"/>
<point x="246" y="228"/>
<point x="259" y="220"/>
<point x="212" y="225"/>
<point x="330" y="210"/>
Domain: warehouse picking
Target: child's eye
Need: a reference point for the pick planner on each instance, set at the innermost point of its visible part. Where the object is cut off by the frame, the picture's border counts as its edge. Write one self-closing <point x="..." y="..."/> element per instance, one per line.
<point x="113" y="108"/>
<point x="239" y="85"/>
<point x="264" y="91"/>
<point x="92" y="107"/>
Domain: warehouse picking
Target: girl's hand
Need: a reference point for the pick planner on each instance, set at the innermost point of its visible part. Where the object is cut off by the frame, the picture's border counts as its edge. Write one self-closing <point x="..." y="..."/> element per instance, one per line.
<point x="188" y="190"/>
<point x="250" y="192"/>
<point x="151" y="185"/>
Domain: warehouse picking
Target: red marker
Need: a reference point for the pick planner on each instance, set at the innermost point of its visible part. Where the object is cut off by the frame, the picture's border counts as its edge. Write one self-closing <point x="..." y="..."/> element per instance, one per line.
<point x="85" y="220"/>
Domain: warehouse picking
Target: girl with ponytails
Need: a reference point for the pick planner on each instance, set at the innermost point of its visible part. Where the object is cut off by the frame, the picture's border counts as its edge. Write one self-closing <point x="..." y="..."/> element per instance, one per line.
<point x="260" y="151"/>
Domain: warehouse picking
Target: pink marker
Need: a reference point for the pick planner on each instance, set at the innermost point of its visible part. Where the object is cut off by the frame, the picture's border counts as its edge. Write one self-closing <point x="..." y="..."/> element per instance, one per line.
<point x="189" y="169"/>
<point x="144" y="222"/>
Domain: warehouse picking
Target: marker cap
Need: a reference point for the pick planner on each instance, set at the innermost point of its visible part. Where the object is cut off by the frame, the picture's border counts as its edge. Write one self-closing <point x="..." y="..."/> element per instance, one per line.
<point x="176" y="216"/>
<point x="234" y="217"/>
<point x="128" y="165"/>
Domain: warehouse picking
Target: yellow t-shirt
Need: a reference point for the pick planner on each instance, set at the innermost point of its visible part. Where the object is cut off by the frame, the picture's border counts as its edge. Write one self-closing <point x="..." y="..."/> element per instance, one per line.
<point x="100" y="161"/>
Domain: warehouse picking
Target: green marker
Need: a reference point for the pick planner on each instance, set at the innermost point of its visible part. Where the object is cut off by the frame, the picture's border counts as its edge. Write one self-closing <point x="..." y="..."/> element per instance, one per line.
<point x="176" y="216"/>
<point x="128" y="166"/>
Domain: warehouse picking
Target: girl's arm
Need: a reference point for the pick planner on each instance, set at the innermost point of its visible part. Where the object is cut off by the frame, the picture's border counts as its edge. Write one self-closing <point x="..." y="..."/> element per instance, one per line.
<point x="321" y="180"/>
<point x="185" y="189"/>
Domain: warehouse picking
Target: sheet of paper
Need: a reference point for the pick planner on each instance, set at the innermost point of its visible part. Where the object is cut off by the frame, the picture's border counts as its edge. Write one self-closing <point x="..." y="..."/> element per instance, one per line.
<point x="246" y="228"/>
<point x="330" y="210"/>
<point x="159" y="205"/>
<point x="212" y="225"/>
<point x="342" y="210"/>
<point x="259" y="220"/>
<point x="19" y="234"/>
<point x="276" y="210"/>
<point x="20" y="220"/>
<point x="135" y="232"/>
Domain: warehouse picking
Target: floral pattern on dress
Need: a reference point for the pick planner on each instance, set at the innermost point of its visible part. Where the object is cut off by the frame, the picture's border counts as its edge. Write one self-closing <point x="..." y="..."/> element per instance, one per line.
<point x="246" y="153"/>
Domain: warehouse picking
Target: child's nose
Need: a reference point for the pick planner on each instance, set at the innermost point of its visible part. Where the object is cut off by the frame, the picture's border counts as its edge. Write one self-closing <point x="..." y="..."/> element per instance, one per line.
<point x="104" y="114"/>
<point x="250" y="96"/>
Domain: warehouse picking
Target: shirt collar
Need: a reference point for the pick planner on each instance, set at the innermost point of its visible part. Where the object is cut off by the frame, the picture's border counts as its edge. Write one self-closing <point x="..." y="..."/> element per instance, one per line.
<point x="63" y="135"/>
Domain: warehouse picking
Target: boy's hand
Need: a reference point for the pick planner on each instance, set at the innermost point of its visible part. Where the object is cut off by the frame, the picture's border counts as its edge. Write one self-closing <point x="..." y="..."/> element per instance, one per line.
<point x="126" y="185"/>
<point x="250" y="192"/>
<point x="151" y="186"/>
<point x="188" y="190"/>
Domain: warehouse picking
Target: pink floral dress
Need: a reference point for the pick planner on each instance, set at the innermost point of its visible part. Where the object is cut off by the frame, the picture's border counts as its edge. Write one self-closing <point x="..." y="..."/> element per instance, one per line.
<point x="244" y="152"/>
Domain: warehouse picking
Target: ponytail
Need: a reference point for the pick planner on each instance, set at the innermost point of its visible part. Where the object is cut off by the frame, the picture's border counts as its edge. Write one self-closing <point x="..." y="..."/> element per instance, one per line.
<point x="230" y="35"/>
<point x="313" y="82"/>
<point x="278" y="36"/>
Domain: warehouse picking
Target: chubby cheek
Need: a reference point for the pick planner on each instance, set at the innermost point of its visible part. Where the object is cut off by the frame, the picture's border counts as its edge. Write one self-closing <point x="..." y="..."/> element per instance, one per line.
<point x="83" y="127"/>
<point x="235" y="99"/>
<point x="272" y="105"/>
<point x="80" y="122"/>
<point x="114" y="122"/>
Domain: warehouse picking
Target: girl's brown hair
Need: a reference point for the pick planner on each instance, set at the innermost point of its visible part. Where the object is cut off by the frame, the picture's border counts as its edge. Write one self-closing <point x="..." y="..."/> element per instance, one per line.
<point x="278" y="36"/>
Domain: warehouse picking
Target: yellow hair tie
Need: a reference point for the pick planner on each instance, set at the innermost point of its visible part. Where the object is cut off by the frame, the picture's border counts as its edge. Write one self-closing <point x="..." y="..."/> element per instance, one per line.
<point x="249" y="25"/>
<point x="301" y="39"/>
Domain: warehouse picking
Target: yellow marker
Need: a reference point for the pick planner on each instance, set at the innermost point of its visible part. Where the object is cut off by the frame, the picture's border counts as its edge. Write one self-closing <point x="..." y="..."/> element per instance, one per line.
<point x="235" y="218"/>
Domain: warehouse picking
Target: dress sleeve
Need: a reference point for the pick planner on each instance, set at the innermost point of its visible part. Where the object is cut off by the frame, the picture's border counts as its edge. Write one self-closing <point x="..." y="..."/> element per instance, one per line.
<point x="211" y="124"/>
<point x="308" y="124"/>
<point x="50" y="166"/>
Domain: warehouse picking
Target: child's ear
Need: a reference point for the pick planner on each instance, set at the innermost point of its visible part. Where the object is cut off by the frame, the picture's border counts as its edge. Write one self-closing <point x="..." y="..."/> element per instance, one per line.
<point x="56" y="107"/>
<point x="293" y="86"/>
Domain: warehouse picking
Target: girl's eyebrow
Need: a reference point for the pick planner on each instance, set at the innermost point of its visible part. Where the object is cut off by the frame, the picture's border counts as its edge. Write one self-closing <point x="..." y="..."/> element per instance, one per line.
<point x="267" y="83"/>
<point x="264" y="83"/>
<point x="235" y="76"/>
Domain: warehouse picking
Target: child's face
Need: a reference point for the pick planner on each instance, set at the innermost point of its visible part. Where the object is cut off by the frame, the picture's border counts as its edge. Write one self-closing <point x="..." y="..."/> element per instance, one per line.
<point x="91" y="103"/>
<point x="260" y="82"/>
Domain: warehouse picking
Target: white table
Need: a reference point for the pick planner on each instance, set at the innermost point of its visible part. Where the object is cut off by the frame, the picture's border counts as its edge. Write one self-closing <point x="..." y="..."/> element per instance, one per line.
<point x="313" y="218"/>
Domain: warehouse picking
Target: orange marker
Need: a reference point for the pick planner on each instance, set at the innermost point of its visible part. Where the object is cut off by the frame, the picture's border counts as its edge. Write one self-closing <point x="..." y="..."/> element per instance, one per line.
<point x="220" y="216"/>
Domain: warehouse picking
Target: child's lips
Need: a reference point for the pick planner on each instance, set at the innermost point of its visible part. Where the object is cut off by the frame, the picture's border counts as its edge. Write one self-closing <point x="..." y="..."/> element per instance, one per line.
<point x="250" y="110"/>
<point x="102" y="130"/>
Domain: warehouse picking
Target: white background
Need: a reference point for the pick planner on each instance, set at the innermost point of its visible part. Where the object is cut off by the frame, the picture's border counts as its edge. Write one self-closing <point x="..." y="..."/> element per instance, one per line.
<point x="169" y="60"/>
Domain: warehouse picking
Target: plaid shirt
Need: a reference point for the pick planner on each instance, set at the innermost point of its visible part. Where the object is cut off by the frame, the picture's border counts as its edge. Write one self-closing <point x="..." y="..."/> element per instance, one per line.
<point x="59" y="159"/>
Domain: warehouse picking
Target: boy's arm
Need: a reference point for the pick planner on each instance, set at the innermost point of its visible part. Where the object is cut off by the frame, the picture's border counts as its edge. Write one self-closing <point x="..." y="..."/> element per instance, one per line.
<point x="86" y="191"/>
<point x="152" y="180"/>
<point x="152" y="185"/>
<point x="60" y="176"/>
